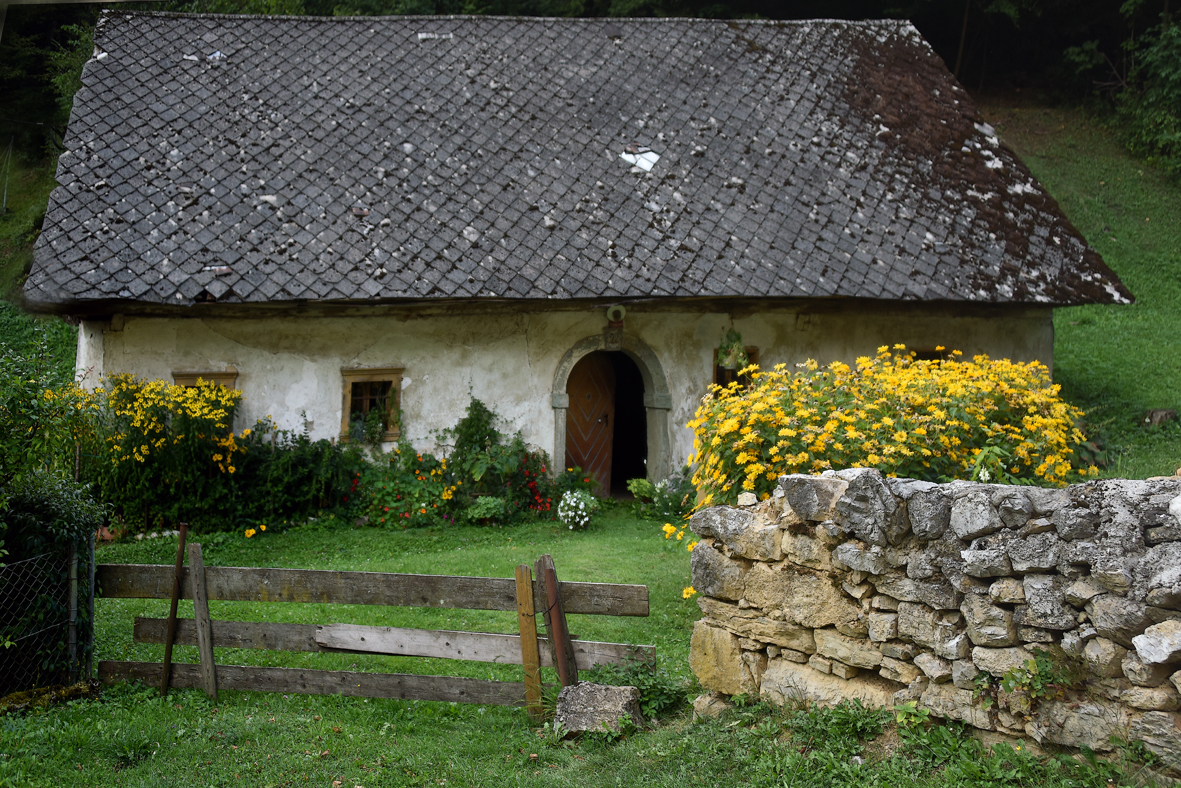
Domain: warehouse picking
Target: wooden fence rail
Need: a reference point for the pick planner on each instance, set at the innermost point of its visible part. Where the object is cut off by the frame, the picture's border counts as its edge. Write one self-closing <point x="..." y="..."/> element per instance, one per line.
<point x="245" y="584"/>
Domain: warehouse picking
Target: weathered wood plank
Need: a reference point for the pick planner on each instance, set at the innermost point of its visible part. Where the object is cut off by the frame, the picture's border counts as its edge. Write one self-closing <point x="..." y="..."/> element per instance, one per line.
<point x="503" y="649"/>
<point x="327" y="682"/>
<point x="256" y="584"/>
<point x="530" y="656"/>
<point x="201" y="621"/>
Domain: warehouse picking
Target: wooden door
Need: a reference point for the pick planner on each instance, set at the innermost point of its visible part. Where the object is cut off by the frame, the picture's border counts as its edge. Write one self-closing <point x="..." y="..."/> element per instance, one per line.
<point x="590" y="421"/>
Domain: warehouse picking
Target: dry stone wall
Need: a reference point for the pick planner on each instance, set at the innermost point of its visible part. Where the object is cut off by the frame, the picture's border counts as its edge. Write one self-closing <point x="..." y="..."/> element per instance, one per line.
<point x="851" y="585"/>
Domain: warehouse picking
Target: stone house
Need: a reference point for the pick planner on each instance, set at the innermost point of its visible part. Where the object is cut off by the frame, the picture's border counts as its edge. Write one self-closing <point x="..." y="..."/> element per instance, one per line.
<point x="557" y="216"/>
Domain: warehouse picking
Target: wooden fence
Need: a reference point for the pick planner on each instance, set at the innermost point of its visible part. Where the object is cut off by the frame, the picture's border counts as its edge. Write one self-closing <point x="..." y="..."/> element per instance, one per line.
<point x="552" y="599"/>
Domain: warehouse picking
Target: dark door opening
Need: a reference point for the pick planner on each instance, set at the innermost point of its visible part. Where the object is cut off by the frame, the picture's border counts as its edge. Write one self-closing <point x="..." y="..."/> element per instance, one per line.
<point x="606" y="424"/>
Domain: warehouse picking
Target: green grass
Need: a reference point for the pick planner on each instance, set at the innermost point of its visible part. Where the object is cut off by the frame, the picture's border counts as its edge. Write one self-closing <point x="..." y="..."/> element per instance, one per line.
<point x="130" y="737"/>
<point x="1118" y="362"/>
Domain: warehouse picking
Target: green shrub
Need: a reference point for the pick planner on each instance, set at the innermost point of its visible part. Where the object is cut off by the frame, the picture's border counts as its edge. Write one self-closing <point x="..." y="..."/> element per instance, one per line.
<point x="670" y="499"/>
<point x="661" y="693"/>
<point x="1151" y="107"/>
<point x="407" y="489"/>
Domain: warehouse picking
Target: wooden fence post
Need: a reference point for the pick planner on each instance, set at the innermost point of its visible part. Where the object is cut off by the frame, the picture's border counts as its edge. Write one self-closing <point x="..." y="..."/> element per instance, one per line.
<point x="166" y="674"/>
<point x="555" y="622"/>
<point x="201" y="619"/>
<point x="530" y="656"/>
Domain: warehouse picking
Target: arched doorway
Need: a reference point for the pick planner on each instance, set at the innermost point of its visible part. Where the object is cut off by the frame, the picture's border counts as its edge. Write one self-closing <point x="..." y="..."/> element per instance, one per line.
<point x="606" y="424"/>
<point x="652" y="389"/>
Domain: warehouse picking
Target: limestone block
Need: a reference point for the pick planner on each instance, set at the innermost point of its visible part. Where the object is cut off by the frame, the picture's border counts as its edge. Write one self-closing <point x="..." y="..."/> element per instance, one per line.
<point x="998" y="661"/>
<point x="756" y="663"/>
<point x="926" y="627"/>
<point x="1034" y="635"/>
<point x="973" y="515"/>
<point x="812" y="497"/>
<point x="1118" y="618"/>
<point x="929" y="513"/>
<point x="749" y="623"/>
<point x="937" y="593"/>
<point x="884" y="602"/>
<point x="1045" y="604"/>
<point x="989" y="625"/>
<point x="1162" y="698"/>
<point x="851" y="651"/>
<point x="913" y="692"/>
<point x="1144" y="675"/>
<point x="716" y="660"/>
<point x="1014" y="509"/>
<point x="1091" y="723"/>
<point x="742" y="531"/>
<point x="790" y="655"/>
<point x="807" y="550"/>
<point x="1073" y="641"/>
<point x="898" y="670"/>
<point x="716" y="575"/>
<point x="1007" y="590"/>
<point x="854" y="629"/>
<point x="1158" y="575"/>
<point x="936" y="669"/>
<point x="844" y="671"/>
<point x="957" y="647"/>
<point x="592" y="707"/>
<point x="963" y="674"/>
<point x="1075" y="524"/>
<point x="1104" y="658"/>
<point x="815" y="601"/>
<point x="1160" y="644"/>
<point x="950" y="702"/>
<point x="858" y="592"/>
<point x="986" y="563"/>
<point x="1159" y="615"/>
<point x="1175" y="680"/>
<point x="747" y="499"/>
<point x="1081" y="591"/>
<point x="1037" y="553"/>
<point x="1039" y="525"/>
<point x="710" y="704"/>
<point x="883" y="626"/>
<point x="1047" y="500"/>
<point x="868" y="509"/>
<point x="820" y="664"/>
<point x="788" y="682"/>
<point x="863" y="558"/>
<point x="1161" y="732"/>
<point x="764" y="586"/>
<point x="896" y="649"/>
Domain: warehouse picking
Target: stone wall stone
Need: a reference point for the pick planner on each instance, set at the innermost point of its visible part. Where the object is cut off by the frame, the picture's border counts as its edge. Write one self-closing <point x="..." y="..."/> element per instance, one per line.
<point x="851" y="585"/>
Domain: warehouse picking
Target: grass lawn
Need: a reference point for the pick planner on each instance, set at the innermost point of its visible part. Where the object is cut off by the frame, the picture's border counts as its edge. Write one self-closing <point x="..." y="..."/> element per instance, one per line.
<point x="129" y="737"/>
<point x="1117" y="362"/>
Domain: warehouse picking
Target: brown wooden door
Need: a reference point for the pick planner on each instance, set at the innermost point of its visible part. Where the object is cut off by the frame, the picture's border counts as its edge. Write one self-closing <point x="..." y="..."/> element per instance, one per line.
<point x="590" y="421"/>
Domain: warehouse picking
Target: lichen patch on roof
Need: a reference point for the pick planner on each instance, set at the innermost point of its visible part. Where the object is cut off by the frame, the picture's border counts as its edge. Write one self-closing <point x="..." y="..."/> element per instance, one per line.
<point x="380" y="159"/>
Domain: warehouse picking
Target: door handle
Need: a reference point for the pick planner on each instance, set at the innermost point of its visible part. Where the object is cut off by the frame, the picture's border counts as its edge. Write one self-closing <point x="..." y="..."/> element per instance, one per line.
<point x="606" y="420"/>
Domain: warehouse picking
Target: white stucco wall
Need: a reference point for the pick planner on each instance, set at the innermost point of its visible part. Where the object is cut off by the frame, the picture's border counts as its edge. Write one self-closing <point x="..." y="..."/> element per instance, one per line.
<point x="288" y="366"/>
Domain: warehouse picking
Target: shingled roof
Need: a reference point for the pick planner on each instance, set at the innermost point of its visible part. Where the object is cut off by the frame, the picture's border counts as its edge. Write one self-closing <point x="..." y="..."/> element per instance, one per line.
<point x="285" y="160"/>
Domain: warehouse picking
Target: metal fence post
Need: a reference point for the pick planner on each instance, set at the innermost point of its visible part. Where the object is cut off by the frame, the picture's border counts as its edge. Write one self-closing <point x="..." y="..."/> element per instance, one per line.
<point x="72" y="637"/>
<point x="90" y="614"/>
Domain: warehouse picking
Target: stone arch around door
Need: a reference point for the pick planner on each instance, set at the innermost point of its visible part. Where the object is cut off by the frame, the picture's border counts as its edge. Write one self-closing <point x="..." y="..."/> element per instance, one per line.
<point x="657" y="400"/>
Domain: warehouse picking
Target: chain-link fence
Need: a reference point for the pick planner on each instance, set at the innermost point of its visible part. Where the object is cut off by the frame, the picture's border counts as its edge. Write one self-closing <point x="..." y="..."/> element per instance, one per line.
<point x="45" y="612"/>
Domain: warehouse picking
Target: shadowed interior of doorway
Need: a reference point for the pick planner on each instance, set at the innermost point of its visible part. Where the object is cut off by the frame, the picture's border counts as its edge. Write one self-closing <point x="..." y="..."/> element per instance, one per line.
<point x="631" y="425"/>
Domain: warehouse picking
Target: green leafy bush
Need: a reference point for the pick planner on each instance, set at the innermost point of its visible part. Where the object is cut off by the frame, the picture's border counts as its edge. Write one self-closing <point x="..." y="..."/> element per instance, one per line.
<point x="1151" y="107"/>
<point x="670" y="499"/>
<point x="408" y="489"/>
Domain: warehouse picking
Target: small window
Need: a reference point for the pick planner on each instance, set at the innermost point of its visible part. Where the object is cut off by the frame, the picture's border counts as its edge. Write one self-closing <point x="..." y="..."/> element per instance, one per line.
<point x="724" y="377"/>
<point x="227" y="378"/>
<point x="369" y="390"/>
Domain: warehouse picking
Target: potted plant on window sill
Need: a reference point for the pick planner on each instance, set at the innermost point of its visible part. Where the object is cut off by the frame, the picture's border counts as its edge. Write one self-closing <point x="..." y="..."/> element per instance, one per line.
<point x="731" y="353"/>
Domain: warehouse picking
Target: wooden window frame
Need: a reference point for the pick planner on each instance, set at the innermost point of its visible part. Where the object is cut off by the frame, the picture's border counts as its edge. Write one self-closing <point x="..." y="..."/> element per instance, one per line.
<point x="391" y="375"/>
<point x="227" y="377"/>
<point x="752" y="354"/>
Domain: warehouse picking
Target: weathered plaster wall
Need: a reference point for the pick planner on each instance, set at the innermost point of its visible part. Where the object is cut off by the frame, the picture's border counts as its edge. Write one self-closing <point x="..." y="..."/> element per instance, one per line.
<point x="290" y="365"/>
<point x="848" y="585"/>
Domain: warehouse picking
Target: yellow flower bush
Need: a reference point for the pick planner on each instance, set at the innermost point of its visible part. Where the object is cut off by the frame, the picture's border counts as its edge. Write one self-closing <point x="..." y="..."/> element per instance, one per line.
<point x="991" y="420"/>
